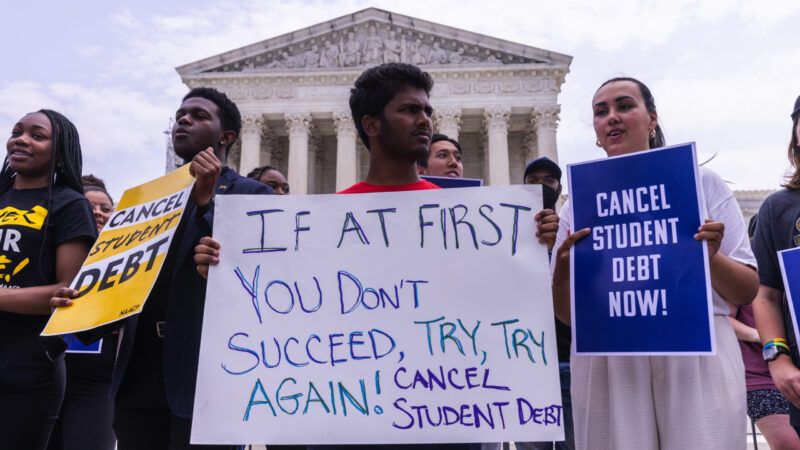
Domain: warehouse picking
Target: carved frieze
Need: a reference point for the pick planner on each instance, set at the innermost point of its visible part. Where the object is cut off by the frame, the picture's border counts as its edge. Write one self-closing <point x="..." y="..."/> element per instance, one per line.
<point x="369" y="44"/>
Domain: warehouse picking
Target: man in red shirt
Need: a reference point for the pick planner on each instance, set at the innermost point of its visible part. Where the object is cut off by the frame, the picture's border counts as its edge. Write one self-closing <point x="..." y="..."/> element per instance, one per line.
<point x="392" y="114"/>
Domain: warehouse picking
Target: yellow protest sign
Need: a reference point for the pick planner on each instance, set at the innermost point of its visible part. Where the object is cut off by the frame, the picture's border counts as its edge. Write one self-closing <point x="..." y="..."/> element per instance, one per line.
<point x="125" y="261"/>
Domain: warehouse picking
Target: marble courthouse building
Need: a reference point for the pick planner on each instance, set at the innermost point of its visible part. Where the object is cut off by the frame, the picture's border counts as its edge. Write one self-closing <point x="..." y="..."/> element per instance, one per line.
<point x="498" y="98"/>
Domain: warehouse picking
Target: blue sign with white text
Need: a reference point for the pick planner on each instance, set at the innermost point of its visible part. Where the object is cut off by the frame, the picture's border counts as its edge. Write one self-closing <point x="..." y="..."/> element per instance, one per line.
<point x="790" y="270"/>
<point x="74" y="345"/>
<point x="640" y="282"/>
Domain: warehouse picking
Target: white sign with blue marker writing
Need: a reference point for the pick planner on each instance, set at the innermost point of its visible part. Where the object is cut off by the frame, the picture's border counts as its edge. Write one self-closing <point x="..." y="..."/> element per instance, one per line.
<point x="407" y="317"/>
<point x="790" y="271"/>
<point x="640" y="282"/>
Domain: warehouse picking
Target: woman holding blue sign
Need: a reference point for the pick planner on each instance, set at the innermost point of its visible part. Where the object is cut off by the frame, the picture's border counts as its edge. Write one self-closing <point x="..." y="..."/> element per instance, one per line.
<point x="46" y="228"/>
<point x="661" y="402"/>
<point x="777" y="229"/>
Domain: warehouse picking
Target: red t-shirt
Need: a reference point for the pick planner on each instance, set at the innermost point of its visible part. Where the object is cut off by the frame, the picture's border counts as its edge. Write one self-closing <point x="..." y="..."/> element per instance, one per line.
<point x="365" y="188"/>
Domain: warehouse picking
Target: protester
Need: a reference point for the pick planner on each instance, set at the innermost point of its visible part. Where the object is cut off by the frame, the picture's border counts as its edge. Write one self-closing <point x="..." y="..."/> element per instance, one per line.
<point x="545" y="172"/>
<point x="99" y="198"/>
<point x="46" y="227"/>
<point x="156" y="369"/>
<point x="443" y="160"/>
<point x="766" y="406"/>
<point x="272" y="177"/>
<point x="641" y="402"/>
<point x="391" y="111"/>
<point x="776" y="230"/>
<point x="86" y="399"/>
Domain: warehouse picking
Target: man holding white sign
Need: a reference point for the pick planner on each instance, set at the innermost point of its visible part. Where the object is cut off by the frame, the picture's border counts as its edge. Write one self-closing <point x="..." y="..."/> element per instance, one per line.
<point x="430" y="356"/>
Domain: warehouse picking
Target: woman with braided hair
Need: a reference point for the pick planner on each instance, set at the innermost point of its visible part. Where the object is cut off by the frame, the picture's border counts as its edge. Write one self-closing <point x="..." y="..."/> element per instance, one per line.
<point x="46" y="230"/>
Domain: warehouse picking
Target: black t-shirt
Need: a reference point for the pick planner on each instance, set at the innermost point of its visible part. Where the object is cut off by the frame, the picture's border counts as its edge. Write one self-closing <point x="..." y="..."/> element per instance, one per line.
<point x="31" y="228"/>
<point x="778" y="228"/>
<point x="563" y="341"/>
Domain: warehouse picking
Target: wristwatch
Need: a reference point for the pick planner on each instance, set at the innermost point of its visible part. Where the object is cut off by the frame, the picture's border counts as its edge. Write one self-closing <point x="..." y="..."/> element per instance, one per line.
<point x="771" y="352"/>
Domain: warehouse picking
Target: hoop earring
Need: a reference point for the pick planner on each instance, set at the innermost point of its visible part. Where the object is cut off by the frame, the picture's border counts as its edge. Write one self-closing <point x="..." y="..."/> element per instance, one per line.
<point x="597" y="143"/>
<point x="653" y="133"/>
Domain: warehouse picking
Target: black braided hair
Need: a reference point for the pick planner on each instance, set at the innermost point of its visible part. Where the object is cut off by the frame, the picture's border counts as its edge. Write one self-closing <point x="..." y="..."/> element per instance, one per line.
<point x="256" y="173"/>
<point x="93" y="184"/>
<point x="66" y="164"/>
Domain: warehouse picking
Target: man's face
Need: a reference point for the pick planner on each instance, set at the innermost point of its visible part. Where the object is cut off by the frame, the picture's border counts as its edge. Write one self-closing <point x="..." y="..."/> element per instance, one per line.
<point x="405" y="126"/>
<point x="444" y="160"/>
<point x="544" y="177"/>
<point x="197" y="127"/>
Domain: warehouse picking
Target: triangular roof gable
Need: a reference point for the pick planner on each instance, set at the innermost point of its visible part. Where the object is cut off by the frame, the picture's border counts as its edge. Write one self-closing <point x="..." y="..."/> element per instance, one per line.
<point x="372" y="36"/>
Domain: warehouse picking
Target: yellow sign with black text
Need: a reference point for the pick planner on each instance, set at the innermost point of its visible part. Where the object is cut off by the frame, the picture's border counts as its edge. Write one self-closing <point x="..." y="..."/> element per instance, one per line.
<point x="125" y="261"/>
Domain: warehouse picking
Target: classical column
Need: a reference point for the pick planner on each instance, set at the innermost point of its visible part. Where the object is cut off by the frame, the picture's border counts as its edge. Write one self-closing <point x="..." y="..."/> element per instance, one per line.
<point x="314" y="153"/>
<point x="346" y="158"/>
<point x="545" y="120"/>
<point x="447" y="121"/>
<point x="252" y="128"/>
<point x="529" y="144"/>
<point x="269" y="142"/>
<point x="495" y="120"/>
<point x="298" y="125"/>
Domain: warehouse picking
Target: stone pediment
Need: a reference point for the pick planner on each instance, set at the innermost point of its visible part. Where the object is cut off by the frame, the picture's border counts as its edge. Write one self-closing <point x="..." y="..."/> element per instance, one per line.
<point x="371" y="37"/>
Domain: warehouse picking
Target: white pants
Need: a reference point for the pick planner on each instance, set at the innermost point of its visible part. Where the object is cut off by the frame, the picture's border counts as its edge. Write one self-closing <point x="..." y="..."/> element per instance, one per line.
<point x="661" y="402"/>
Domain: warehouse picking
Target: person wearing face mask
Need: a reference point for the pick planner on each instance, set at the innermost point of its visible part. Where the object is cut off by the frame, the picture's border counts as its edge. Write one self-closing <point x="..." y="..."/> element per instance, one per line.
<point x="86" y="399"/>
<point x="545" y="172"/>
<point x="661" y="402"/>
<point x="444" y="159"/>
<point x="778" y="228"/>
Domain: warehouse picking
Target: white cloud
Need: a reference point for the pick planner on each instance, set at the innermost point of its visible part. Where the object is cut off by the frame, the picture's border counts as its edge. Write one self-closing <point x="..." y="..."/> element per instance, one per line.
<point x="120" y="129"/>
<point x="723" y="72"/>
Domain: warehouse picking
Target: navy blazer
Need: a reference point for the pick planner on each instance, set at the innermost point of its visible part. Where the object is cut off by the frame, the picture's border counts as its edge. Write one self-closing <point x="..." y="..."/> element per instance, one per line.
<point x="185" y="304"/>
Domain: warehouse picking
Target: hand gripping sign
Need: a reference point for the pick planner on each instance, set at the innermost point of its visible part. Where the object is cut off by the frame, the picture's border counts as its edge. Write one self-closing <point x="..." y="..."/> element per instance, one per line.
<point x="405" y="317"/>
<point x="124" y="262"/>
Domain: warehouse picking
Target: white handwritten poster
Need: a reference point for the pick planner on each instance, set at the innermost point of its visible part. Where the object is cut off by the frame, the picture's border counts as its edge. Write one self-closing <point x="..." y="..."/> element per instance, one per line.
<point x="408" y="317"/>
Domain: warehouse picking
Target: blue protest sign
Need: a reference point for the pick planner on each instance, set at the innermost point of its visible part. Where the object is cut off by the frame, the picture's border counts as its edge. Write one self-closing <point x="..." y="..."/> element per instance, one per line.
<point x="790" y="269"/>
<point x="449" y="182"/>
<point x="74" y="345"/>
<point x="639" y="280"/>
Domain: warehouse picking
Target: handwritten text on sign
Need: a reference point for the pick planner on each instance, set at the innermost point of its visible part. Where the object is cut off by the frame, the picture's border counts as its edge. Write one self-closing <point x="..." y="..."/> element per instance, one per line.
<point x="394" y="317"/>
<point x="640" y="280"/>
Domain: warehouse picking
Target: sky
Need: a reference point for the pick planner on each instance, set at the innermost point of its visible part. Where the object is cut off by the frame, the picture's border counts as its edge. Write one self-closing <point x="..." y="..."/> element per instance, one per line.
<point x="724" y="73"/>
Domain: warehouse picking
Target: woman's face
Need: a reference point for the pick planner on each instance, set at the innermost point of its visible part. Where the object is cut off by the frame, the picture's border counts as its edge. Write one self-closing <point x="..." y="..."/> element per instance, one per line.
<point x="276" y="181"/>
<point x="621" y="120"/>
<point x="30" y="145"/>
<point x="101" y="207"/>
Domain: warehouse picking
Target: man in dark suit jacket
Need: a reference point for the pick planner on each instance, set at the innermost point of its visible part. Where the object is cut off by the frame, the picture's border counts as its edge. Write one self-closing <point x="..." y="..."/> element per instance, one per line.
<point x="156" y="369"/>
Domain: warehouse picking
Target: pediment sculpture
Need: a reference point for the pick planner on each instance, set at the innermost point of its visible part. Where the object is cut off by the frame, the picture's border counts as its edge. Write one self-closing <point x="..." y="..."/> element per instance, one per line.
<point x="370" y="44"/>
